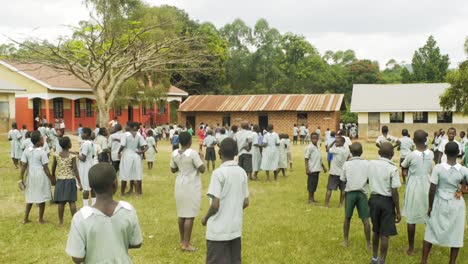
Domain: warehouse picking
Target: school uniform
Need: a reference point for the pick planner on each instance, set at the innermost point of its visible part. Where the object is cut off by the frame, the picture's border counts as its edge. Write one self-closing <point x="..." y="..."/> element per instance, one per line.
<point x="354" y="174"/>
<point x="188" y="183"/>
<point x="86" y="149"/>
<point x="435" y="148"/>
<point x="383" y="177"/>
<point x="229" y="184"/>
<point x="256" y="153"/>
<point x="15" y="140"/>
<point x="243" y="139"/>
<point x="210" y="143"/>
<point x="131" y="167"/>
<point x="314" y="164"/>
<point x="114" y="143"/>
<point x="295" y="133"/>
<point x="328" y="143"/>
<point x="442" y="149"/>
<point x="302" y="132"/>
<point x="102" y="239"/>
<point x="37" y="183"/>
<point x="388" y="138"/>
<point x="151" y="152"/>
<point x="340" y="156"/>
<point x="416" y="202"/>
<point x="283" y="155"/>
<point x="406" y="146"/>
<point x="270" y="154"/>
<point x="446" y="225"/>
<point x="288" y="151"/>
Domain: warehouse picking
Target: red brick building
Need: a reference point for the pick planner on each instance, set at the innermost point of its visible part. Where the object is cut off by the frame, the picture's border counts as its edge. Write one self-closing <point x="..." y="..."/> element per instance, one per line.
<point x="58" y="95"/>
<point x="281" y="110"/>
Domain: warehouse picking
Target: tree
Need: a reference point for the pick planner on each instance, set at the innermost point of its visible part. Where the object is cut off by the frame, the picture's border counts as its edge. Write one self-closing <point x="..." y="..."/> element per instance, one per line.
<point x="363" y="72"/>
<point x="124" y="39"/>
<point x="392" y="72"/>
<point x="429" y="65"/>
<point x="456" y="96"/>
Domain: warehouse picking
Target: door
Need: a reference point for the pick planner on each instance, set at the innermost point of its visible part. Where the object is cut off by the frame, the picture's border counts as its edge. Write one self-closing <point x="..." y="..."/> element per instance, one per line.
<point x="4" y="116"/>
<point x="190" y="121"/>
<point x="373" y="130"/>
<point x="130" y="113"/>
<point x="36" y="111"/>
<point x="262" y="122"/>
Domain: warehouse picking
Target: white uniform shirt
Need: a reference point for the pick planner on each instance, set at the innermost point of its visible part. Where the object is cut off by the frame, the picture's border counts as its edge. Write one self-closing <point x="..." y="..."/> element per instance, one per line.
<point x="102" y="239"/>
<point x="383" y="177"/>
<point x="243" y="138"/>
<point x="355" y="175"/>
<point x="114" y="143"/>
<point x="230" y="185"/>
<point x="406" y="146"/>
<point x="314" y="158"/>
<point x="340" y="156"/>
<point x="295" y="131"/>
<point x="389" y="138"/>
<point x="302" y="130"/>
<point x="442" y="149"/>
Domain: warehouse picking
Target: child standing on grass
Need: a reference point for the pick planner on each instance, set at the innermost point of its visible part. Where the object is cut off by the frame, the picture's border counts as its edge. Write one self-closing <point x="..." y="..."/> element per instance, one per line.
<point x="283" y="154"/>
<point x="229" y="196"/>
<point x="151" y="152"/>
<point x="314" y="165"/>
<point x="106" y="231"/>
<point x="38" y="180"/>
<point x="256" y="152"/>
<point x="175" y="140"/>
<point x="384" y="202"/>
<point x="340" y="156"/>
<point x="406" y="147"/>
<point x="210" y="142"/>
<point x="270" y="154"/>
<point x="418" y="166"/>
<point x="446" y="222"/>
<point x="189" y="165"/>
<point x="14" y="136"/>
<point x="354" y="174"/>
<point x="84" y="164"/>
<point x="64" y="169"/>
<point x="385" y="137"/>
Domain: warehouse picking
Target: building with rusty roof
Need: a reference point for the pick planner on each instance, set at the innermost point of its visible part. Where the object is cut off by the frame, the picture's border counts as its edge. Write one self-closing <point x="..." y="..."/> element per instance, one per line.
<point x="281" y="110"/>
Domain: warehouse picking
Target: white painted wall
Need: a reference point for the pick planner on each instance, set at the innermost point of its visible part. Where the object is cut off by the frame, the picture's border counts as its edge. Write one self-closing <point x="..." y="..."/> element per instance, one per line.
<point x="432" y="117"/>
<point x="363" y="118"/>
<point x="459" y="118"/>
<point x="408" y="118"/>
<point x="384" y="118"/>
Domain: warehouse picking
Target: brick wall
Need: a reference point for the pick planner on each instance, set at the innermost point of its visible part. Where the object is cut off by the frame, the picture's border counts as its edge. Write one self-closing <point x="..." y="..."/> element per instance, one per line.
<point x="282" y="121"/>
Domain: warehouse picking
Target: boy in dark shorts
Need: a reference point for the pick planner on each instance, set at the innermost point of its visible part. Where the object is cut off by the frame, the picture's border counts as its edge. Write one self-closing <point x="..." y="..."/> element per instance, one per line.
<point x="314" y="165"/>
<point x="384" y="202"/>
<point x="340" y="156"/>
<point x="210" y="142"/>
<point x="355" y="176"/>
<point x="229" y="195"/>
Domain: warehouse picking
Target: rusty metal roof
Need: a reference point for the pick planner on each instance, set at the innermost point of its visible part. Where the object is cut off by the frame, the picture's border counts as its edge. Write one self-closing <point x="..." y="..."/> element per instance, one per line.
<point x="274" y="102"/>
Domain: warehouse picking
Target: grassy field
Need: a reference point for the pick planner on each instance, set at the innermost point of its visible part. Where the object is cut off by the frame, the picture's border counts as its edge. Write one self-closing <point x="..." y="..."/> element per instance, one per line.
<point x="279" y="225"/>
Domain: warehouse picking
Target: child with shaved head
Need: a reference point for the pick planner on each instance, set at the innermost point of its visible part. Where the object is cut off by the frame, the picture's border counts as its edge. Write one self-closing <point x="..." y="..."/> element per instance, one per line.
<point x="340" y="155"/>
<point x="104" y="232"/>
<point x="418" y="166"/>
<point x="354" y="174"/>
<point x="384" y="202"/>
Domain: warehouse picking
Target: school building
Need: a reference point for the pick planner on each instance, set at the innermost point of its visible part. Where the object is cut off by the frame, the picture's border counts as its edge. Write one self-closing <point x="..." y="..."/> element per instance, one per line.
<point x="399" y="106"/>
<point x="31" y="90"/>
<point x="281" y="110"/>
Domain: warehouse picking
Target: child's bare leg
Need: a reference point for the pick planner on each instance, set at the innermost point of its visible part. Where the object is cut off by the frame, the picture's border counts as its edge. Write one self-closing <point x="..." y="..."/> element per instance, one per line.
<point x="72" y="208"/>
<point x="383" y="248"/>
<point x="366" y="224"/>
<point x="41" y="213"/>
<point x="411" y="233"/>
<point x="181" y="230"/>
<point x="132" y="185"/>
<point x="208" y="165"/>
<point x="284" y="172"/>
<point x="327" y="198"/>
<point x="188" y="225"/>
<point x="454" y="255"/>
<point x="426" y="250"/>
<point x="15" y="162"/>
<point x="275" y="174"/>
<point x="61" y="210"/>
<point x="138" y="188"/>
<point x="342" y="196"/>
<point x="268" y="175"/>
<point x="123" y="186"/>
<point x="26" y="213"/>
<point x="255" y="175"/>
<point x="346" y="224"/>
<point x="214" y="164"/>
<point x="375" y="246"/>
<point x="149" y="165"/>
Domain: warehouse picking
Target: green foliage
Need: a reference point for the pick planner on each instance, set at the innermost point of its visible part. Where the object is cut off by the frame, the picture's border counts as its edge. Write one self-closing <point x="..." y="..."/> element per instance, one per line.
<point x="456" y="97"/>
<point x="364" y="72"/>
<point x="429" y="65"/>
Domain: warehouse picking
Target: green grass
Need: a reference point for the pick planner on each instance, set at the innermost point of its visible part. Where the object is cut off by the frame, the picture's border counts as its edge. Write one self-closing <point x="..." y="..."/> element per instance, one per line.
<point x="279" y="226"/>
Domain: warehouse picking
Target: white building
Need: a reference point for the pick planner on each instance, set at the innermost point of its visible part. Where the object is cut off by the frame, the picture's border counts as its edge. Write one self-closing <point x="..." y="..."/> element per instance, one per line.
<point x="399" y="106"/>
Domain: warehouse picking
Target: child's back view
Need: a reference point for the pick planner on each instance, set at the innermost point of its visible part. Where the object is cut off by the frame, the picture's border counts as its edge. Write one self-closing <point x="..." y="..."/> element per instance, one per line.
<point x="229" y="196"/>
<point x="104" y="232"/>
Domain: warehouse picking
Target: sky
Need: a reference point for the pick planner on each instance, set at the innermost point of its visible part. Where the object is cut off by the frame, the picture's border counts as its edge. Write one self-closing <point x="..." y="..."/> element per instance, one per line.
<point x="374" y="29"/>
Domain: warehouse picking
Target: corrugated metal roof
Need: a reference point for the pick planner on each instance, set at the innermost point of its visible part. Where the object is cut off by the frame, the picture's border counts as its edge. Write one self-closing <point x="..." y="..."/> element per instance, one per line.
<point x="267" y="103"/>
<point x="415" y="97"/>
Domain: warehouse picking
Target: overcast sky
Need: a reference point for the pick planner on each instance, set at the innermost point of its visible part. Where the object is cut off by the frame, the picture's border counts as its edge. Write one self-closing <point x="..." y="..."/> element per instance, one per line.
<point x="376" y="30"/>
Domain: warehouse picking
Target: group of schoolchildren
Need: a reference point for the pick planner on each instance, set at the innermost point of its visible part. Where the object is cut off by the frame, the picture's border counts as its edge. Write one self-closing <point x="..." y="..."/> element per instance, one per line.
<point x="433" y="194"/>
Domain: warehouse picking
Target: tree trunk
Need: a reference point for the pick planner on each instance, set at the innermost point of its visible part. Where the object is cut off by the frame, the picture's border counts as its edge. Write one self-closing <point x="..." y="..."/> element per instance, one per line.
<point x="102" y="108"/>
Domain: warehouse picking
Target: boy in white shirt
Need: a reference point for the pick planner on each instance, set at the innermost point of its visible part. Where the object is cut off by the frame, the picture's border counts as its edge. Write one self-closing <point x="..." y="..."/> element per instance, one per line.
<point x="451" y="133"/>
<point x="104" y="232"/>
<point x="340" y="155"/>
<point x="229" y="195"/>
<point x="385" y="137"/>
<point x="314" y="165"/>
<point x="406" y="147"/>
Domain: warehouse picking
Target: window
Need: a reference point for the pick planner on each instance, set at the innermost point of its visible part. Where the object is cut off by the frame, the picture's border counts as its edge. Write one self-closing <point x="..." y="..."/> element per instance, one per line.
<point x="420" y="117"/>
<point x="118" y="111"/>
<point x="226" y="120"/>
<point x="58" y="107"/>
<point x="445" y="117"/>
<point x="144" y="110"/>
<point x="77" y="108"/>
<point x="89" y="108"/>
<point x="397" y="117"/>
<point x="301" y="119"/>
<point x="162" y="107"/>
